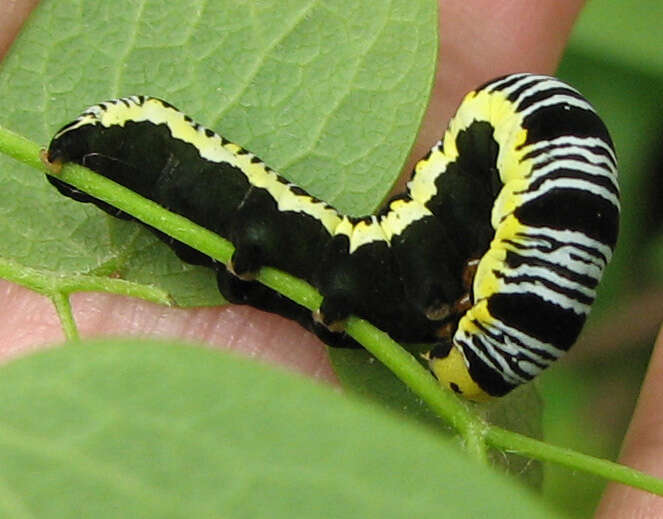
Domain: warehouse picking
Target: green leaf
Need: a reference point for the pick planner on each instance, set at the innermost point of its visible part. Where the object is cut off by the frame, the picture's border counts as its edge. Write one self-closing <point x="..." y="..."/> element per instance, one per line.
<point x="624" y="33"/>
<point x="117" y="429"/>
<point x="520" y="411"/>
<point x="329" y="93"/>
<point x="360" y="372"/>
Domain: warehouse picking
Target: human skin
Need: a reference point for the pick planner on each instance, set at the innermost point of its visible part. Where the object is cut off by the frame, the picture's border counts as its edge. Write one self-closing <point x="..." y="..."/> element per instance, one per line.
<point x="480" y="39"/>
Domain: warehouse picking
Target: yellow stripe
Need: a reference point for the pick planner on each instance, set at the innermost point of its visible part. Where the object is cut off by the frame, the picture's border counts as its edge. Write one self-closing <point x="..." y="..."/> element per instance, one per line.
<point x="402" y="213"/>
<point x="361" y="233"/>
<point x="213" y="149"/>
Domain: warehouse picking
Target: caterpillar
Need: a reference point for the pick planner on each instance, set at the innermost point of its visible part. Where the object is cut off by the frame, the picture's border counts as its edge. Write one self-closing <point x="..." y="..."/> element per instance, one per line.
<point x="492" y="254"/>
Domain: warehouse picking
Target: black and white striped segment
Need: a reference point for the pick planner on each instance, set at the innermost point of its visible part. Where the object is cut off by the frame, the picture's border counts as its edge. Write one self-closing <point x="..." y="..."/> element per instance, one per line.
<point x="555" y="221"/>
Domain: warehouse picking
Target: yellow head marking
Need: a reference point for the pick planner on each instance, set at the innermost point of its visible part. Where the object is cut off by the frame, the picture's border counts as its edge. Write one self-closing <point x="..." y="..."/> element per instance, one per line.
<point x="451" y="371"/>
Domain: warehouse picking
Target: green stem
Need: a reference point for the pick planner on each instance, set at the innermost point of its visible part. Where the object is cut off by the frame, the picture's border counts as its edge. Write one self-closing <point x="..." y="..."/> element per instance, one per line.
<point x="20" y="148"/>
<point x="49" y="283"/>
<point x="400" y="362"/>
<point x="522" y="445"/>
<point x="63" y="308"/>
<point x="474" y="431"/>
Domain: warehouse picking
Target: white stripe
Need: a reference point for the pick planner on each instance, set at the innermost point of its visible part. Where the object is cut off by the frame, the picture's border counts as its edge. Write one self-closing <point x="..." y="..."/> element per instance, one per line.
<point x="532" y="79"/>
<point x="574" y="145"/>
<point x="491" y="358"/>
<point x="573" y="165"/>
<point x="552" y="277"/>
<point x="497" y="85"/>
<point x="592" y="266"/>
<point x="577" y="238"/>
<point x="560" y="99"/>
<point x="496" y="351"/>
<point x="541" y="84"/>
<point x="547" y="294"/>
<point x="568" y="183"/>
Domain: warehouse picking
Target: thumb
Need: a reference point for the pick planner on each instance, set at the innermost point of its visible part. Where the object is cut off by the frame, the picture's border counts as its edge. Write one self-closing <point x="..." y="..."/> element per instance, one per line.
<point x="642" y="448"/>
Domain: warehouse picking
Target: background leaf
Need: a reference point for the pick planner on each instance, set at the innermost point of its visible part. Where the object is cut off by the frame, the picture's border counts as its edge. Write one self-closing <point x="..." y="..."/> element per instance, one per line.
<point x="628" y="32"/>
<point x="329" y="93"/>
<point x="112" y="429"/>
<point x="520" y="411"/>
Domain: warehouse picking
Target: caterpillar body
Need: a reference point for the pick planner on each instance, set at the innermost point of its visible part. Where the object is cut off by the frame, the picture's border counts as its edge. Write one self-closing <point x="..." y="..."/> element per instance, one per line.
<point x="492" y="254"/>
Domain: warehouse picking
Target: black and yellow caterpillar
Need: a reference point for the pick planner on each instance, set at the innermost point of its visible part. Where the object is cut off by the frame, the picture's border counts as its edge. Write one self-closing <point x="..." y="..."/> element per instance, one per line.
<point x="492" y="254"/>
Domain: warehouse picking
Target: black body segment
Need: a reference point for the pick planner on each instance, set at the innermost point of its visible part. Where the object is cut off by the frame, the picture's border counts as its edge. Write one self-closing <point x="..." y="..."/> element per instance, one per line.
<point x="524" y="181"/>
